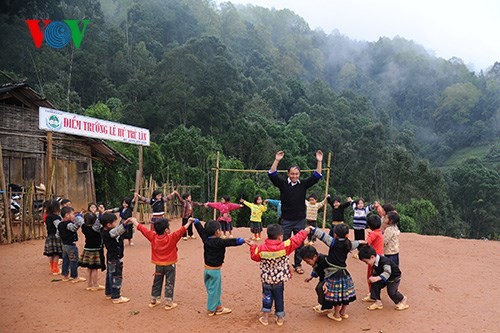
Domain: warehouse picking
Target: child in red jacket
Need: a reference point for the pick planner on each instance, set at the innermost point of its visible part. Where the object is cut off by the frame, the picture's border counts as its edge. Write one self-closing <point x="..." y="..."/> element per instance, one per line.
<point x="275" y="268"/>
<point x="164" y="256"/>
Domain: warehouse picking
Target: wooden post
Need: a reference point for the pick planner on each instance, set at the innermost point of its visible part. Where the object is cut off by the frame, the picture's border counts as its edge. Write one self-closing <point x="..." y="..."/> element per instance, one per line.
<point x="216" y="181"/>
<point x="48" y="167"/>
<point x="326" y="187"/>
<point x="141" y="164"/>
<point x="92" y="182"/>
<point x="137" y="181"/>
<point x="6" y="199"/>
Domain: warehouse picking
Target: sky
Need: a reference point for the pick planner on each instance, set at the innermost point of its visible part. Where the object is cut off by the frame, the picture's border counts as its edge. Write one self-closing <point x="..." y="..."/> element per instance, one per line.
<point x="469" y="30"/>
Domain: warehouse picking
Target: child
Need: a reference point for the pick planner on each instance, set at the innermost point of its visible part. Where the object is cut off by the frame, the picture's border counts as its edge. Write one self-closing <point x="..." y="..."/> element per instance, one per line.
<point x="164" y="256"/>
<point x="157" y="203"/>
<point x="53" y="244"/>
<point x="92" y="208"/>
<point x="385" y="274"/>
<point x="277" y="204"/>
<point x="256" y="211"/>
<point x="338" y="287"/>
<point x="126" y="213"/>
<point x="391" y="237"/>
<point x="67" y="229"/>
<point x="376" y="240"/>
<point x="101" y="209"/>
<point x="224" y="207"/>
<point x="338" y="209"/>
<point x="187" y="212"/>
<point x="312" y="207"/>
<point x="359" y="218"/>
<point x="319" y="264"/>
<point x="92" y="256"/>
<point x="111" y="232"/>
<point x="65" y="203"/>
<point x="275" y="268"/>
<point x="214" y="251"/>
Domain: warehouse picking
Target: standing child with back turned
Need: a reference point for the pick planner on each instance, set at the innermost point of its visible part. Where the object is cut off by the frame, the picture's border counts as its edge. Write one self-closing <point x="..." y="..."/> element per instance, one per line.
<point x="164" y="256"/>
<point x="275" y="268"/>
<point x="92" y="256"/>
<point x="214" y="252"/>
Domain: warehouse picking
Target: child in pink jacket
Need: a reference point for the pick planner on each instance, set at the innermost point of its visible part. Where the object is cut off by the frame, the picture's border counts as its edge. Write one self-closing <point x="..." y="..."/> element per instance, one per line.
<point x="224" y="207"/>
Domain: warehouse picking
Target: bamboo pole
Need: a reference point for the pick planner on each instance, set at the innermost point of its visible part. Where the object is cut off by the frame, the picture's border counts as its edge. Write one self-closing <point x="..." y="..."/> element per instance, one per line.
<point x="141" y="165"/>
<point x="255" y="171"/>
<point x="326" y="187"/>
<point x="48" y="166"/>
<point x="6" y="201"/>
<point x="216" y="181"/>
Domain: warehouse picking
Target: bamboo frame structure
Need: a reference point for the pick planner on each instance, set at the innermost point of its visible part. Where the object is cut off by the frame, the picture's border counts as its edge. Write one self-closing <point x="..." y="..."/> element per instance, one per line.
<point x="218" y="169"/>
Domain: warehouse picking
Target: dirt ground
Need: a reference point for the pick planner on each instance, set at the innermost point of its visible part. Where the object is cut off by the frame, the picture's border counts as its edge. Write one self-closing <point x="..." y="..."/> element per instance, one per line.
<point x="451" y="286"/>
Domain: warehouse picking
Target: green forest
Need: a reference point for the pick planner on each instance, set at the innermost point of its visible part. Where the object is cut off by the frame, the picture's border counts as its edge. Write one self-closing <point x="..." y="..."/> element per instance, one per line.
<point x="404" y="127"/>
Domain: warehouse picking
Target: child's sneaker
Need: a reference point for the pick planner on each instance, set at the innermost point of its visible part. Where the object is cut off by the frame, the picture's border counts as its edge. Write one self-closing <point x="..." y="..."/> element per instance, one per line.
<point x="280" y="321"/>
<point x="257" y="239"/>
<point x="184" y="238"/>
<point x="192" y="237"/>
<point x="368" y="299"/>
<point x="107" y="296"/>
<point x="66" y="279"/>
<point x="154" y="303"/>
<point x="120" y="300"/>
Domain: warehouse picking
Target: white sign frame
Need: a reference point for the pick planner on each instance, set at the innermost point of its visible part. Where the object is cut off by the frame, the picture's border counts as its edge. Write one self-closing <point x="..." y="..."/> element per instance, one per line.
<point x="75" y="124"/>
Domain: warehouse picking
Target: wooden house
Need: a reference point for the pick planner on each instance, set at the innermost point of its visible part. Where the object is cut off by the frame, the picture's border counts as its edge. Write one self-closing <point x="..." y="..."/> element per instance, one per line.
<point x="24" y="148"/>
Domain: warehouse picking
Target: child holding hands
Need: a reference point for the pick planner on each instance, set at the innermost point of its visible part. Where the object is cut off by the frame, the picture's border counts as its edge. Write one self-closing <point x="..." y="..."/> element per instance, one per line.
<point x="275" y="268"/>
<point x="256" y="211"/>
<point x="164" y="256"/>
<point x="214" y="251"/>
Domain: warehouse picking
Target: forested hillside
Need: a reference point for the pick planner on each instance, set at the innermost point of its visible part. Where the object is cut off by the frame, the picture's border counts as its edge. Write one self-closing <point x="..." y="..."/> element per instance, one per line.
<point x="249" y="81"/>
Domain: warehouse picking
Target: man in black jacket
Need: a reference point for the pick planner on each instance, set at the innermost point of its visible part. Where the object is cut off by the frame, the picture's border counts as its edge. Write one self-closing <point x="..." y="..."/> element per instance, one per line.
<point x="293" y="197"/>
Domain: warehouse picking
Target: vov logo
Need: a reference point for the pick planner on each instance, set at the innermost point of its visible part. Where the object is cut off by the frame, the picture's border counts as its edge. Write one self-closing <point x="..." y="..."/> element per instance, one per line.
<point x="57" y="33"/>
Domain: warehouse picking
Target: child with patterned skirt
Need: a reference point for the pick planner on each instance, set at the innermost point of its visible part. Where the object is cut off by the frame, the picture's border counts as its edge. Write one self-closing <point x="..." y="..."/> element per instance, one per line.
<point x="275" y="268"/>
<point x="53" y="244"/>
<point x="214" y="251"/>
<point x="92" y="256"/>
<point x="385" y="274"/>
<point x="164" y="256"/>
<point x="339" y="287"/>
<point x="224" y="207"/>
<point x="256" y="211"/>
<point x="157" y="203"/>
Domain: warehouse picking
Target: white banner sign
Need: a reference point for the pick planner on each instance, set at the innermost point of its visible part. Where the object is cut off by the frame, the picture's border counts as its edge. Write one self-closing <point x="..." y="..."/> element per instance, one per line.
<point x="70" y="123"/>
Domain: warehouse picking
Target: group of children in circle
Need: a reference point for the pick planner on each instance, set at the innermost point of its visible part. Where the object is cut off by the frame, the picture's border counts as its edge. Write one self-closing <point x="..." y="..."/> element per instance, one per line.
<point x="335" y="289"/>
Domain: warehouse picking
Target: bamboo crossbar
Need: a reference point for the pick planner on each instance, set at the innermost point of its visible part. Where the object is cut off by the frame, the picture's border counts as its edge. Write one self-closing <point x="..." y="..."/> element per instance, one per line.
<point x="254" y="171"/>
